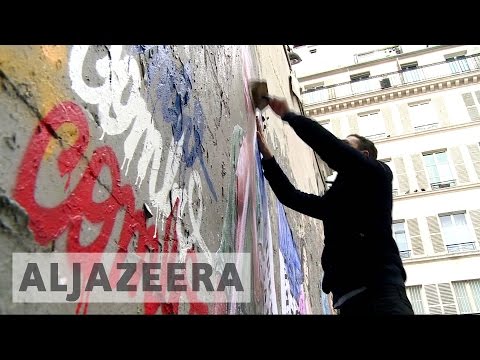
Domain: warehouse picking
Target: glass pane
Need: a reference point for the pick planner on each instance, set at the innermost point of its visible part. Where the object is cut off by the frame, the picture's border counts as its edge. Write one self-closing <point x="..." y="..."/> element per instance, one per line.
<point x="462" y="233"/>
<point x="429" y="161"/>
<point x="433" y="173"/>
<point x="446" y="221"/>
<point x="450" y="235"/>
<point x="398" y="227"/>
<point x="460" y="220"/>
<point x="444" y="172"/>
<point x="400" y="236"/>
<point x="441" y="158"/>
<point x="402" y="242"/>
<point x="371" y="125"/>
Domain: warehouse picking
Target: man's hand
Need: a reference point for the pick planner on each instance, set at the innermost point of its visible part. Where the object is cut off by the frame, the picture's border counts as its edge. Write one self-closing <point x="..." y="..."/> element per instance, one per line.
<point x="279" y="106"/>
<point x="262" y="143"/>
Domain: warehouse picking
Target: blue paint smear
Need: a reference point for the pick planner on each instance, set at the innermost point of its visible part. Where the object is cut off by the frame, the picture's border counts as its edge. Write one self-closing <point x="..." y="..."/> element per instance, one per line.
<point x="261" y="186"/>
<point x="173" y="88"/>
<point x="290" y="253"/>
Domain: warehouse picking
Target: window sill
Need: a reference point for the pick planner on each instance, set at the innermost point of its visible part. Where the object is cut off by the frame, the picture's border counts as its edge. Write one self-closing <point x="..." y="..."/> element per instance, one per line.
<point x="427" y="132"/>
<point x="430" y="258"/>
<point x="438" y="191"/>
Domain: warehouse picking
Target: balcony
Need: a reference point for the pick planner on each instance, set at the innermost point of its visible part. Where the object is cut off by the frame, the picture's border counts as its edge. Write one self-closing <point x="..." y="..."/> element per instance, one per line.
<point x="454" y="248"/>
<point x="443" y="184"/>
<point x="393" y="80"/>
<point x="426" y="127"/>
<point x="405" y="254"/>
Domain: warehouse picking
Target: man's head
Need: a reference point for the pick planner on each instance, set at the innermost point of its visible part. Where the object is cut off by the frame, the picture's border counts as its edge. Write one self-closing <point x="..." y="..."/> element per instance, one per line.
<point x="363" y="145"/>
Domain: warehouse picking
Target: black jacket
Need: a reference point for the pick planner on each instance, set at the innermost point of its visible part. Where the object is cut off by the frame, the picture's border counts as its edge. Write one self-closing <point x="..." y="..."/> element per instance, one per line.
<point x="356" y="212"/>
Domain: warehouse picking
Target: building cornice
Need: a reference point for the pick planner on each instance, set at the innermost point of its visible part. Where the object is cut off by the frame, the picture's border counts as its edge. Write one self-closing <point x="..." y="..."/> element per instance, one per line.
<point x="392" y="94"/>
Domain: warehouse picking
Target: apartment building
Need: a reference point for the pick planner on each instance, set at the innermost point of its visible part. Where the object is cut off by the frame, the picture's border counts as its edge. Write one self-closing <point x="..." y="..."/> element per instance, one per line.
<point x="421" y="107"/>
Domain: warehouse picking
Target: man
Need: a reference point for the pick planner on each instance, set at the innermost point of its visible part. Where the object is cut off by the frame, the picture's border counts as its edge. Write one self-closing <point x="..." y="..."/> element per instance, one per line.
<point x="361" y="262"/>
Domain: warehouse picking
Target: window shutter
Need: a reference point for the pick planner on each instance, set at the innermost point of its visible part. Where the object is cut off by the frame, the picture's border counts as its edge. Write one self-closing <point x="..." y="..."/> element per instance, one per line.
<point x="441" y="111"/>
<point x="457" y="159"/>
<point x="387" y="116"/>
<point x="353" y="124"/>
<point x="336" y="127"/>
<point x="461" y="296"/>
<point x="415" y="238"/>
<point x="402" y="177"/>
<point x="405" y="117"/>
<point x="448" y="301"/>
<point x="440" y="299"/>
<point x="468" y="99"/>
<point x="475" y="155"/>
<point x="420" y="171"/>
<point x="475" y="217"/>
<point x="471" y="108"/>
<point x="433" y="300"/>
<point x="435" y="235"/>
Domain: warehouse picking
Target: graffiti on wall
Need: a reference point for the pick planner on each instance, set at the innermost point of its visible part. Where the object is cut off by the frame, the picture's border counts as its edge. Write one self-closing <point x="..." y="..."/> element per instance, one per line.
<point x="121" y="108"/>
<point x="293" y="297"/>
<point x="132" y="94"/>
<point x="48" y="223"/>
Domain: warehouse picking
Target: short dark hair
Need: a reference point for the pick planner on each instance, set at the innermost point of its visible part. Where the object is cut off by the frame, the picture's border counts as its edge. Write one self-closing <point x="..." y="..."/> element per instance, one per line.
<point x="366" y="144"/>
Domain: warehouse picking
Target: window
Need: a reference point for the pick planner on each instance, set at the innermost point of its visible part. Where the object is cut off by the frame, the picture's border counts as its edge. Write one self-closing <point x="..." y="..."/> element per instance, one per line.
<point x="313" y="87"/>
<point x="398" y="230"/>
<point x="395" y="185"/>
<point x="371" y="125"/>
<point x="467" y="294"/>
<point x="360" y="82"/>
<point x="414" y="294"/>
<point x="438" y="169"/>
<point x="423" y="115"/>
<point x="457" y="62"/>
<point x="455" y="232"/>
<point x="411" y="73"/>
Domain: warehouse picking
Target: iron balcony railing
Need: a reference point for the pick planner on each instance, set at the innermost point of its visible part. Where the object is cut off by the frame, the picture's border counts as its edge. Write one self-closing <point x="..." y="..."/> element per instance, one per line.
<point x="392" y="80"/>
<point x="443" y="184"/>
<point x="461" y="247"/>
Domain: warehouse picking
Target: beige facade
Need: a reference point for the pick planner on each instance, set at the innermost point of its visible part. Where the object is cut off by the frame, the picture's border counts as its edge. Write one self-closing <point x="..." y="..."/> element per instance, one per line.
<point x="422" y="110"/>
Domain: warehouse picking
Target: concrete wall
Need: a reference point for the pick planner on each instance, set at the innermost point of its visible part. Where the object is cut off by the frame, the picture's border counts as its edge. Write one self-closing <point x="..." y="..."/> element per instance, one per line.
<point x="93" y="135"/>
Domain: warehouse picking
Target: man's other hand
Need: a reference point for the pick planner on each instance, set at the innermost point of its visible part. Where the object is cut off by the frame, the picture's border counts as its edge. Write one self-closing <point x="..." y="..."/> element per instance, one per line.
<point x="262" y="142"/>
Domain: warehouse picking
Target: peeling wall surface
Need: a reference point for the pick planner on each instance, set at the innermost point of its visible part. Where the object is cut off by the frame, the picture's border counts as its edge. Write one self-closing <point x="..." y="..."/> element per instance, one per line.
<point x="153" y="149"/>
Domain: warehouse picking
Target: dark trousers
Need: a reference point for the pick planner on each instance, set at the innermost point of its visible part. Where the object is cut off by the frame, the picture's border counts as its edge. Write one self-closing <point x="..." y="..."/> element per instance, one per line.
<point x="384" y="300"/>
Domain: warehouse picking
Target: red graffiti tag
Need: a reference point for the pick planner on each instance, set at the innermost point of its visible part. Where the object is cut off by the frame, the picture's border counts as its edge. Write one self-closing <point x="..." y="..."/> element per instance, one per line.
<point x="48" y="223"/>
